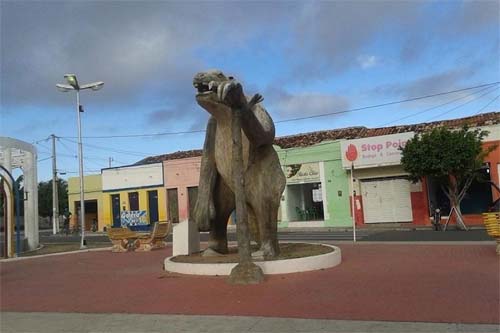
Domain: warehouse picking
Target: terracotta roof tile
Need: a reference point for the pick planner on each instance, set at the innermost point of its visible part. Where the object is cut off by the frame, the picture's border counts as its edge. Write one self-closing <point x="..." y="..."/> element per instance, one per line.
<point x="172" y="156"/>
<point x="484" y="119"/>
<point x="312" y="138"/>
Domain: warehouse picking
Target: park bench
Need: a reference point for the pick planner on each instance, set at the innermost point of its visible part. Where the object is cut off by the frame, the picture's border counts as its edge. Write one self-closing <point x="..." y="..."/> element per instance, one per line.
<point x="122" y="238"/>
<point x="155" y="240"/>
<point x="492" y="224"/>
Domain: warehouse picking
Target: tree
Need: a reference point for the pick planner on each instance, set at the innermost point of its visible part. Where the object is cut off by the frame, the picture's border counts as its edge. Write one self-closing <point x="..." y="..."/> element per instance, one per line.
<point x="45" y="197"/>
<point x="452" y="157"/>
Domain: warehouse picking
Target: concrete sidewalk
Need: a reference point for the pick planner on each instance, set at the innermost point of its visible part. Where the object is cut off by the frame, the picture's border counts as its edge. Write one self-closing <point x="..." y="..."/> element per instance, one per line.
<point x="12" y="322"/>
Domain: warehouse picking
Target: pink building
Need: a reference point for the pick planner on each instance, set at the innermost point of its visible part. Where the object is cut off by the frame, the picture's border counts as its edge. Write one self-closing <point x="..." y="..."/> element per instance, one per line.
<point x="181" y="174"/>
<point x="181" y="182"/>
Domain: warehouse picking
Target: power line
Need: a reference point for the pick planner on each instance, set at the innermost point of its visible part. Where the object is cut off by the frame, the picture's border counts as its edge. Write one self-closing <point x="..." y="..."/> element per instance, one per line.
<point x="139" y="135"/>
<point x="300" y="118"/>
<point x="41" y="140"/>
<point x="44" y="147"/>
<point x="86" y="157"/>
<point x="67" y="156"/>
<point x="387" y="104"/>
<point x="119" y="151"/>
<point x="121" y="162"/>
<point x="435" y="107"/>
<point x="65" y="146"/>
<point x="488" y="104"/>
<point x="459" y="106"/>
<point x="95" y="164"/>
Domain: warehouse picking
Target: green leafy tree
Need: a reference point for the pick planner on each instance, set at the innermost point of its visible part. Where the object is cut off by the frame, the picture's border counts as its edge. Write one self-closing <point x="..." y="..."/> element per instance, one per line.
<point x="452" y="157"/>
<point x="45" y="197"/>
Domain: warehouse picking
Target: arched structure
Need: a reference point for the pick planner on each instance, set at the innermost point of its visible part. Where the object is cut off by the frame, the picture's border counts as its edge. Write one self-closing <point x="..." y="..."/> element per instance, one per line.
<point x="19" y="154"/>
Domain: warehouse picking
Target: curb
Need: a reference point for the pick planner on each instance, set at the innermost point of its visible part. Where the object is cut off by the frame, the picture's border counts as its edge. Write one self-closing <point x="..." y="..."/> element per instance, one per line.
<point x="284" y="266"/>
<point x="55" y="254"/>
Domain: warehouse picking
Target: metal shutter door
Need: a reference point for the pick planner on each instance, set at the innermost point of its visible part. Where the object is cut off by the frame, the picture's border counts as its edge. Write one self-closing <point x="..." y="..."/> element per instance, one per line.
<point x="401" y="200"/>
<point x="386" y="201"/>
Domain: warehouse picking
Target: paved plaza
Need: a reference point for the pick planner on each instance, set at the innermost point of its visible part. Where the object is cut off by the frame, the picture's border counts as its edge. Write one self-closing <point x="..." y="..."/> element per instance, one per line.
<point x="415" y="287"/>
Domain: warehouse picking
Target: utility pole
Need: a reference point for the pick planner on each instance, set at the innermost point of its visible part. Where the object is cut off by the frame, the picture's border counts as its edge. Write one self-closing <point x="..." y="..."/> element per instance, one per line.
<point x="55" y="194"/>
<point x="110" y="160"/>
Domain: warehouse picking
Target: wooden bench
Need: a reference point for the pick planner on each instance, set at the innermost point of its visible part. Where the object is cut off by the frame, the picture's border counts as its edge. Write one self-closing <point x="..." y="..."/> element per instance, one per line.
<point x="492" y="224"/>
<point x="122" y="238"/>
<point x="155" y="240"/>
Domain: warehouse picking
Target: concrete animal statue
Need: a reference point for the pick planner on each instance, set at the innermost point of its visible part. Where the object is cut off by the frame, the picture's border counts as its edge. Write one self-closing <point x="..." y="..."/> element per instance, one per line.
<point x="263" y="176"/>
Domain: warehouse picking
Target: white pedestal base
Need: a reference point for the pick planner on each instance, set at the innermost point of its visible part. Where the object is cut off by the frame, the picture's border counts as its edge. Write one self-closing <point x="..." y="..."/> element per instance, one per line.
<point x="186" y="238"/>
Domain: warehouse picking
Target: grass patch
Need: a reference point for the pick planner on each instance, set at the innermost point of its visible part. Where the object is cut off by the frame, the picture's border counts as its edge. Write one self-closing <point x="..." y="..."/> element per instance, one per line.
<point x="62" y="247"/>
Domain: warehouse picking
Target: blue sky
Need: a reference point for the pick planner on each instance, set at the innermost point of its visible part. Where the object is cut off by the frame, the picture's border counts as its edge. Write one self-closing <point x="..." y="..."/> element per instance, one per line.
<point x="305" y="58"/>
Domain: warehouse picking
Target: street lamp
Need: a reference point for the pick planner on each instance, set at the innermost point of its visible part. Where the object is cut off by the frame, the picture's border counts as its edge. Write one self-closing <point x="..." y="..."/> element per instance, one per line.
<point x="73" y="85"/>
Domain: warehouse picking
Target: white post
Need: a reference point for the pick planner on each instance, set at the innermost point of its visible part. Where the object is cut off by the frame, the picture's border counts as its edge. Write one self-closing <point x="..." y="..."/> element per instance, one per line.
<point x="9" y="203"/>
<point x="34" y="200"/>
<point x="80" y="157"/>
<point x="353" y="203"/>
<point x="55" y="198"/>
<point x="30" y="217"/>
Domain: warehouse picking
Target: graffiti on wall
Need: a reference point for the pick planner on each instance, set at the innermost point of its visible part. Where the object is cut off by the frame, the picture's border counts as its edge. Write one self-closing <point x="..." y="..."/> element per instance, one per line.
<point x="133" y="217"/>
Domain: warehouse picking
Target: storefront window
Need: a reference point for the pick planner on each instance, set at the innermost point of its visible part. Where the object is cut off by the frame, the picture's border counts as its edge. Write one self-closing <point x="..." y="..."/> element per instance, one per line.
<point x="305" y="202"/>
<point x="304" y="197"/>
<point x="476" y="201"/>
<point x="479" y="197"/>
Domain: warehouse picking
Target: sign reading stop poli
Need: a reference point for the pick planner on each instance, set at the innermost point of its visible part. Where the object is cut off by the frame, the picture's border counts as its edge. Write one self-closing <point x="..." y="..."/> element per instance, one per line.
<point x="374" y="151"/>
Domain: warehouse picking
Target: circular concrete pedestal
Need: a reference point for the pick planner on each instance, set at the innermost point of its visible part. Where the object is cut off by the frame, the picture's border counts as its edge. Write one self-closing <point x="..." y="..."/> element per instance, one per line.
<point x="284" y="266"/>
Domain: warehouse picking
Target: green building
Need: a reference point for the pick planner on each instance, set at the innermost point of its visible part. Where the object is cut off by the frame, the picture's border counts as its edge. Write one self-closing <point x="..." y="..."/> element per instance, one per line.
<point x="317" y="189"/>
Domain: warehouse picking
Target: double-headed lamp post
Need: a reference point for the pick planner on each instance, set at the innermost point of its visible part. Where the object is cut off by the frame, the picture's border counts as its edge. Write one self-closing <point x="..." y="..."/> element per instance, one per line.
<point x="73" y="85"/>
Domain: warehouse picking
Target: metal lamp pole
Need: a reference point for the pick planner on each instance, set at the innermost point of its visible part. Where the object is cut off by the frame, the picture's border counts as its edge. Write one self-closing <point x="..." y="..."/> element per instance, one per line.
<point x="80" y="161"/>
<point x="73" y="85"/>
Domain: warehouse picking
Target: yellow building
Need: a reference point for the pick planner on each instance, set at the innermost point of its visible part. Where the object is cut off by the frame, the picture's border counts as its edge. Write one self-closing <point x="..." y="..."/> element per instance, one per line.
<point x="92" y="186"/>
<point x="134" y="196"/>
<point x="144" y="200"/>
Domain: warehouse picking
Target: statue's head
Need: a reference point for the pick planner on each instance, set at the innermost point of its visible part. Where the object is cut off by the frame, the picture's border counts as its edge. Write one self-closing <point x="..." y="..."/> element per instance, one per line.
<point x="206" y="84"/>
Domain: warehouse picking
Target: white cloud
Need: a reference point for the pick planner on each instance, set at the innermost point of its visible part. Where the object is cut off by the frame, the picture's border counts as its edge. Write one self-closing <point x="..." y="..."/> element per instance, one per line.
<point x="308" y="104"/>
<point x="367" y="61"/>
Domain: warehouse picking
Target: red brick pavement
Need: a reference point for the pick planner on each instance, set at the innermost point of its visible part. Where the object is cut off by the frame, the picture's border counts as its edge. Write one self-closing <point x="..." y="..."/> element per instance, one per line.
<point x="390" y="282"/>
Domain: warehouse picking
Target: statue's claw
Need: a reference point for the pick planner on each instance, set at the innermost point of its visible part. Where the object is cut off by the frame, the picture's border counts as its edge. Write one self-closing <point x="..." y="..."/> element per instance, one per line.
<point x="256" y="99"/>
<point x="231" y="93"/>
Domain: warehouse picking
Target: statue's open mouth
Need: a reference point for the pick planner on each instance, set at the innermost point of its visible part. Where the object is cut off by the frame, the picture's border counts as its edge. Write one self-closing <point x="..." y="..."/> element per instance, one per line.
<point x="201" y="87"/>
<point x="206" y="88"/>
